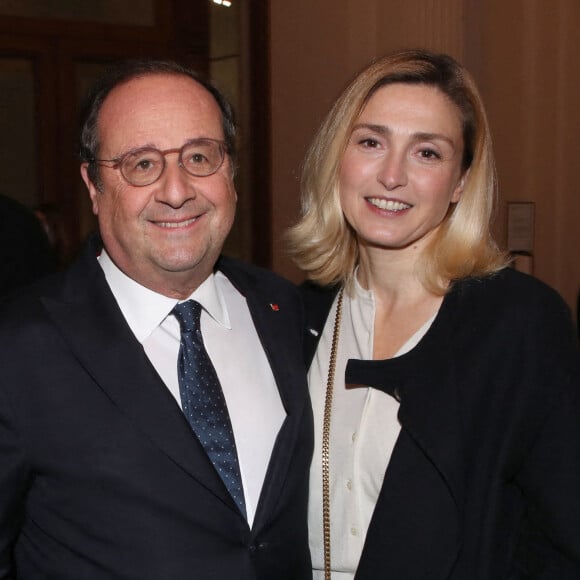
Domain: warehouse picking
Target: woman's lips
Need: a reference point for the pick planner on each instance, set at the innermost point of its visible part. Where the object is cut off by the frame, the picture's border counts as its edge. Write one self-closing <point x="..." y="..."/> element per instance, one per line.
<point x="388" y="204"/>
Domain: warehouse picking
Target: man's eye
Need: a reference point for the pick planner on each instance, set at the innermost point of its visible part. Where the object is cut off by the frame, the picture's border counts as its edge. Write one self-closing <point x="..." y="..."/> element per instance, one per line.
<point x="197" y="159"/>
<point x="144" y="165"/>
<point x="141" y="163"/>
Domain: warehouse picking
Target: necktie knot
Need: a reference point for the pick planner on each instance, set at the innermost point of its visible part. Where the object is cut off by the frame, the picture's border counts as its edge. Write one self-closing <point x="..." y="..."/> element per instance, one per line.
<point x="188" y="315"/>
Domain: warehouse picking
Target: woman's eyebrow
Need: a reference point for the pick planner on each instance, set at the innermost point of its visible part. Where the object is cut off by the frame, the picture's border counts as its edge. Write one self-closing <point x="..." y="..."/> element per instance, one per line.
<point x="380" y="129"/>
<point x="419" y="135"/>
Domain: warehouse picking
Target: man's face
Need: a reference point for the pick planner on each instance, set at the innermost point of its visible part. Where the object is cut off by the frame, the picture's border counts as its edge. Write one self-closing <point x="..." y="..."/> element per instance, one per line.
<point x="168" y="235"/>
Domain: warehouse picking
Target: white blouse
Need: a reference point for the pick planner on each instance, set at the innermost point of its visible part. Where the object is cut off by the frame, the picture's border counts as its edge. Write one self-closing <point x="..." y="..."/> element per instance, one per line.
<point x="364" y="429"/>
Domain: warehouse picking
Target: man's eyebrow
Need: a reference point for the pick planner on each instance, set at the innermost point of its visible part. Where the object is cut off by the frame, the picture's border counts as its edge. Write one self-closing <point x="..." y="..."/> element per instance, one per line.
<point x="135" y="149"/>
<point x="419" y="136"/>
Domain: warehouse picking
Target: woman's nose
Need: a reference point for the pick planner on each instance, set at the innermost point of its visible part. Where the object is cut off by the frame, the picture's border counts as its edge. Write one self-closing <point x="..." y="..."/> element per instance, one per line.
<point x="393" y="170"/>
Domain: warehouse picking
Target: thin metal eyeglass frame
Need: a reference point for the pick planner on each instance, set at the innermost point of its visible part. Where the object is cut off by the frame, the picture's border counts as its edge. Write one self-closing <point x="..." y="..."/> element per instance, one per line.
<point x="118" y="161"/>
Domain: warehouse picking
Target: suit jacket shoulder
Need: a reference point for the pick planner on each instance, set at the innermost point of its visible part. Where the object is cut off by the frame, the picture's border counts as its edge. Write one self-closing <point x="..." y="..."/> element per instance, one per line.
<point x="251" y="279"/>
<point x="317" y="303"/>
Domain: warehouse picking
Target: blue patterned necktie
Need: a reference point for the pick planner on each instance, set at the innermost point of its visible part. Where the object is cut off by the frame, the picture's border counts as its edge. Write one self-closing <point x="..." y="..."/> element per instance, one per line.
<point x="203" y="401"/>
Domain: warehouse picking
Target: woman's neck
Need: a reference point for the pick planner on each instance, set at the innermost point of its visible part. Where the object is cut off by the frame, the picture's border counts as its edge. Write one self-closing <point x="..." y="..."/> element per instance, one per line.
<point x="402" y="303"/>
<point x="389" y="272"/>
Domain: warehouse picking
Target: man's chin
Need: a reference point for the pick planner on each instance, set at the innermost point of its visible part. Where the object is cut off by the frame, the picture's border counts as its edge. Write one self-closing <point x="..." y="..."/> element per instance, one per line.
<point x="187" y="263"/>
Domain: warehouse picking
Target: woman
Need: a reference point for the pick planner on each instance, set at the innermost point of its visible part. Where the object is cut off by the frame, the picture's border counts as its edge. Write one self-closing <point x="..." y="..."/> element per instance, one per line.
<point x="444" y="384"/>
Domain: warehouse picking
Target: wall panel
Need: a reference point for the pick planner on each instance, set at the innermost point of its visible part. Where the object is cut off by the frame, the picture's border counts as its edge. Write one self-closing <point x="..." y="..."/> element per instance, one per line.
<point x="522" y="54"/>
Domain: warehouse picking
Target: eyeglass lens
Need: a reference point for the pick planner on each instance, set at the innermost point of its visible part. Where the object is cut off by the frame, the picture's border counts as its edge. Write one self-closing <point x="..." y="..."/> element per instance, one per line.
<point x="199" y="158"/>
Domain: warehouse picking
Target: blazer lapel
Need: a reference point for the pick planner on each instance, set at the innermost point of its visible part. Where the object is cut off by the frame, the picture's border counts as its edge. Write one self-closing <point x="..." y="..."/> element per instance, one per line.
<point x="96" y="332"/>
<point x="420" y="506"/>
<point x="421" y="501"/>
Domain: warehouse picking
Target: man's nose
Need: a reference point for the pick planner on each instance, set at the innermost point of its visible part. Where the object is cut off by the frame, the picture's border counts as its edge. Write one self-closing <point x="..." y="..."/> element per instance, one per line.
<point x="393" y="170"/>
<point x="175" y="186"/>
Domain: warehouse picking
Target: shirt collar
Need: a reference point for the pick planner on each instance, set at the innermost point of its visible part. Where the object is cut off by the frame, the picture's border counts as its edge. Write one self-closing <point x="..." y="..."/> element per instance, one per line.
<point x="144" y="309"/>
<point x="212" y="299"/>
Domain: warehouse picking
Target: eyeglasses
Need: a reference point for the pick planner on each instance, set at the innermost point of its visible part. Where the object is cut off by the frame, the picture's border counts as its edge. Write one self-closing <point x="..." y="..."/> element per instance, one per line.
<point x="144" y="166"/>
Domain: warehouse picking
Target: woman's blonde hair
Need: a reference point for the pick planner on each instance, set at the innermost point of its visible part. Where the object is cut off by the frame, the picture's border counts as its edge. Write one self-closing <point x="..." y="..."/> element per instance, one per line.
<point x="323" y="244"/>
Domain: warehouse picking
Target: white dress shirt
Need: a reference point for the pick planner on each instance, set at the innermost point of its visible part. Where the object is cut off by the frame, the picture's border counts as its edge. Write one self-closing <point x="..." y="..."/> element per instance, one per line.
<point x="364" y="429"/>
<point x="237" y="354"/>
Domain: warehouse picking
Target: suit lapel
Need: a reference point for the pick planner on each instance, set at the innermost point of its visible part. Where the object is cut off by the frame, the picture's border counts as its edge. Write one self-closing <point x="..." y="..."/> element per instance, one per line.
<point x="317" y="303"/>
<point x="275" y="322"/>
<point x="96" y="332"/>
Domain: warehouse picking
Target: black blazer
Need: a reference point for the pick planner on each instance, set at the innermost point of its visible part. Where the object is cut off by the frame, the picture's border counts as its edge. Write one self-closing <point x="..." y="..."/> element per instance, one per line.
<point x="100" y="474"/>
<point x="484" y="479"/>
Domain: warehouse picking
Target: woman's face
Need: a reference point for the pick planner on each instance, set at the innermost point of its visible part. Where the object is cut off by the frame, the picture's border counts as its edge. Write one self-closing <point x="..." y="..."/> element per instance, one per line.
<point x="402" y="167"/>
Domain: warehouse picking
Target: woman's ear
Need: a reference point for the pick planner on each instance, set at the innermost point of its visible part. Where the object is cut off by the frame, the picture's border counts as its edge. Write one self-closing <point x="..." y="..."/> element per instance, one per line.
<point x="458" y="191"/>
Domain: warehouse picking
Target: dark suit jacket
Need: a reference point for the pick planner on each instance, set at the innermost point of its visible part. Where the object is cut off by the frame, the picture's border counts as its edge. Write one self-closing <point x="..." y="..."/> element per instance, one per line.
<point x="100" y="474"/>
<point x="484" y="480"/>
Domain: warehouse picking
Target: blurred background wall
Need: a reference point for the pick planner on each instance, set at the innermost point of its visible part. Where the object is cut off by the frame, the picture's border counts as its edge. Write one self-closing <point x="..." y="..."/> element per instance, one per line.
<point x="283" y="63"/>
<point x="523" y="55"/>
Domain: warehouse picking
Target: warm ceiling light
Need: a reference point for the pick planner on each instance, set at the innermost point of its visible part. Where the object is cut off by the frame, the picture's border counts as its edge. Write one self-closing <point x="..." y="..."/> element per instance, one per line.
<point x="226" y="3"/>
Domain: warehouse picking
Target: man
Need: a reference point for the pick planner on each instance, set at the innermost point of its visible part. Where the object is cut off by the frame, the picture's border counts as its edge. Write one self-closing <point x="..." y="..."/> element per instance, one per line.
<point x="103" y="471"/>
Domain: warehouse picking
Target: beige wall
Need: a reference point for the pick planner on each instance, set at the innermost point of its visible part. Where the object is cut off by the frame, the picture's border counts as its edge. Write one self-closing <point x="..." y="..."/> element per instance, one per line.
<point x="523" y="56"/>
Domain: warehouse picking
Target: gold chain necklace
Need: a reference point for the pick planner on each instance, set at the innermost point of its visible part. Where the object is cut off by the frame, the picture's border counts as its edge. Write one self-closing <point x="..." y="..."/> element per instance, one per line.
<point x="326" y="437"/>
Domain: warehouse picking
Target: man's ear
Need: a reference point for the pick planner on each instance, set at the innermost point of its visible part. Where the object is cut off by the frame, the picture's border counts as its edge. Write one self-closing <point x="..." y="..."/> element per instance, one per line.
<point x="93" y="191"/>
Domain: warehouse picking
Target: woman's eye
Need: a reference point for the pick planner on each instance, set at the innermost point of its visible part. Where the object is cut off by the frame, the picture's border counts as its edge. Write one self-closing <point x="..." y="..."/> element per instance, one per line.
<point x="369" y="143"/>
<point x="429" y="154"/>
